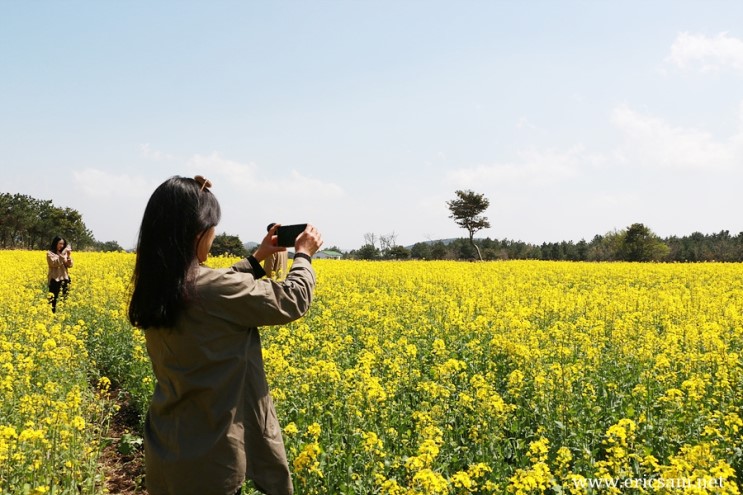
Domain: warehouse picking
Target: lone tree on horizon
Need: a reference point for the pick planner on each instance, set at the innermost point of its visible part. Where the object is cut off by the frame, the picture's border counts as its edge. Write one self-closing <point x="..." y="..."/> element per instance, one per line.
<point x="466" y="211"/>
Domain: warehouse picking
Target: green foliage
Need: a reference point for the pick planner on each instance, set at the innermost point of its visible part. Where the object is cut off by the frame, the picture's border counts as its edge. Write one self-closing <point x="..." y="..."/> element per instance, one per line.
<point x="228" y="245"/>
<point x="29" y="223"/>
<point x="129" y="444"/>
<point x="368" y="252"/>
<point x="439" y="251"/>
<point x="421" y="251"/>
<point x="107" y="247"/>
<point x="636" y="243"/>
<point x="466" y="210"/>
<point x="700" y="247"/>
<point x="639" y="243"/>
<point x="397" y="253"/>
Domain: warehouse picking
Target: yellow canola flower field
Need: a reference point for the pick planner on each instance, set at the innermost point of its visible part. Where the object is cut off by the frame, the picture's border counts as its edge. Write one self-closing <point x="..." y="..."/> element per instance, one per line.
<point x="55" y="400"/>
<point x="514" y="377"/>
<point x="417" y="378"/>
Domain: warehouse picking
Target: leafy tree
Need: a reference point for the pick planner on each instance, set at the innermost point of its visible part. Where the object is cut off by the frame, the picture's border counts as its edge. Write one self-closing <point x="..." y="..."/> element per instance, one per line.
<point x="439" y="251"/>
<point x="70" y="223"/>
<point x="466" y="210"/>
<point x="368" y="252"/>
<point x="228" y="245"/>
<point x="421" y="251"/>
<point x="641" y="244"/>
<point x="605" y="247"/>
<point x="723" y="246"/>
<point x="107" y="247"/>
<point x="581" y="250"/>
<point x="397" y="253"/>
<point x="30" y="223"/>
<point x="463" y="250"/>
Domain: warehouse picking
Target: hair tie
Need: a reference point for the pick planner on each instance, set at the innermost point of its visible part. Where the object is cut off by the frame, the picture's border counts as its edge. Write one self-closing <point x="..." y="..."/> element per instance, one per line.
<point x="203" y="182"/>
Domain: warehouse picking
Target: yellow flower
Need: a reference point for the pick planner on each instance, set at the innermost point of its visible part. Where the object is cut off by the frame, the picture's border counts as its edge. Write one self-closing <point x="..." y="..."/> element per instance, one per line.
<point x="461" y="479"/>
<point x="314" y="430"/>
<point x="306" y="463"/>
<point x="391" y="487"/>
<point x="431" y="482"/>
<point x="372" y="443"/>
<point x="538" y="450"/>
<point x="479" y="470"/>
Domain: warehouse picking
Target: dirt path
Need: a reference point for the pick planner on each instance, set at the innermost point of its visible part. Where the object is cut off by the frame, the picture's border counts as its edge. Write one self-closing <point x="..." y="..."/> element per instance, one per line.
<point x="122" y="460"/>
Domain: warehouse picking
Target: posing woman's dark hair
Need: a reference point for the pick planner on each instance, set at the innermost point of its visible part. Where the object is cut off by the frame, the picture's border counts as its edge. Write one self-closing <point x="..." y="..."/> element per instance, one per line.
<point x="179" y="211"/>
<point x="55" y="241"/>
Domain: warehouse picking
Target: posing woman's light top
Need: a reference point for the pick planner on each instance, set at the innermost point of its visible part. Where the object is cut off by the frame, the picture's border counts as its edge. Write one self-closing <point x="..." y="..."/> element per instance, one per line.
<point x="58" y="265"/>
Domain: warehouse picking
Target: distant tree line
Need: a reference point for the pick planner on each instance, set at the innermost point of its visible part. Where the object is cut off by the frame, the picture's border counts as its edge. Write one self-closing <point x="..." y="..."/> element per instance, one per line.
<point x="29" y="223"/>
<point x="635" y="243"/>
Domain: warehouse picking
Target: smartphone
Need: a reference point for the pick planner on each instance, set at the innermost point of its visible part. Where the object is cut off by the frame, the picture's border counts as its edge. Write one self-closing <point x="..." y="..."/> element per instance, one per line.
<point x="287" y="234"/>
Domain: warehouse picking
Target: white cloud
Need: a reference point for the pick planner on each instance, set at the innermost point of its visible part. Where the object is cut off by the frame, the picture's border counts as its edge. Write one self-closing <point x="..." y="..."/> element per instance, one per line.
<point x="101" y="184"/>
<point x="707" y="54"/>
<point x="250" y="196"/>
<point x="652" y="142"/>
<point x="250" y="178"/>
<point x="297" y="185"/>
<point x="534" y="167"/>
<point x="223" y="172"/>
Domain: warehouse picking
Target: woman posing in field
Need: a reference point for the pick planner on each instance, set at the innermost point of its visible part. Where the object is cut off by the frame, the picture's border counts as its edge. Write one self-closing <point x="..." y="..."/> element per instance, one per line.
<point x="59" y="259"/>
<point x="211" y="421"/>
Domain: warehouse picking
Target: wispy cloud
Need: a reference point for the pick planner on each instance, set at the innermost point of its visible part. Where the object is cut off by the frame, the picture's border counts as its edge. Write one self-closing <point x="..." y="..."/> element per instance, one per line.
<point x="224" y="172"/>
<point x="706" y="54"/>
<point x="228" y="176"/>
<point x="533" y="167"/>
<point x="652" y="142"/>
<point x="643" y="141"/>
<point x="250" y="178"/>
<point x="299" y="185"/>
<point x="101" y="184"/>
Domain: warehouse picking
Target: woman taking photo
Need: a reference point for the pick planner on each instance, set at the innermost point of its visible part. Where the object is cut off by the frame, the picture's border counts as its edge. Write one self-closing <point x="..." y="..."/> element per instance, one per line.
<point x="59" y="259"/>
<point x="211" y="421"/>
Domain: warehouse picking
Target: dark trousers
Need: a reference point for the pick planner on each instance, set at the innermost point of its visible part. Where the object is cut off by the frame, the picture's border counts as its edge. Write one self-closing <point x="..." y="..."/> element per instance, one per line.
<point x="55" y="287"/>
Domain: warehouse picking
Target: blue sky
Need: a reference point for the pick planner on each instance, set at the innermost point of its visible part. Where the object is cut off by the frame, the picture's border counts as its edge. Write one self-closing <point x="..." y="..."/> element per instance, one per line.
<point x="574" y="118"/>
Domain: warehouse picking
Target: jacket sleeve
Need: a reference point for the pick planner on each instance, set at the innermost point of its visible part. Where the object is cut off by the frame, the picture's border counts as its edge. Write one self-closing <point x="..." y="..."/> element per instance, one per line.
<point x="238" y="297"/>
<point x="249" y="265"/>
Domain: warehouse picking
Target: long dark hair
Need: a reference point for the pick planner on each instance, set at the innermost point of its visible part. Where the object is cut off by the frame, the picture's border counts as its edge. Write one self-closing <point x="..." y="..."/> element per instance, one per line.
<point x="178" y="211"/>
<point x="55" y="241"/>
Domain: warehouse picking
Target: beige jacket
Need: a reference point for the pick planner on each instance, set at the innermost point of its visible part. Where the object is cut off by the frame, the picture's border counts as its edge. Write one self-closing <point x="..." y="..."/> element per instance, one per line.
<point x="58" y="266"/>
<point x="211" y="420"/>
<point x="275" y="265"/>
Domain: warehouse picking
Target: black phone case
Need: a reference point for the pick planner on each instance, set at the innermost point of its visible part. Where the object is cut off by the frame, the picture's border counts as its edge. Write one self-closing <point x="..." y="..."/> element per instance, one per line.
<point x="287" y="234"/>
